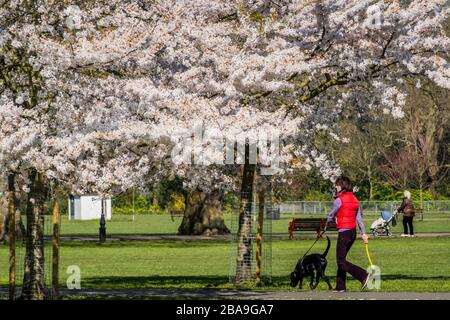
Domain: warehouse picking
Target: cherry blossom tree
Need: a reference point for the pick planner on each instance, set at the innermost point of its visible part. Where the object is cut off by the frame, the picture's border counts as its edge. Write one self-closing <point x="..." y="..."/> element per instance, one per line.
<point x="64" y="104"/>
<point x="92" y="92"/>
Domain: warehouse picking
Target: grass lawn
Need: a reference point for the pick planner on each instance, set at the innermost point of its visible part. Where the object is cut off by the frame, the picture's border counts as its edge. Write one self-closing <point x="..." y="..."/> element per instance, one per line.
<point x="123" y="224"/>
<point x="419" y="264"/>
<point x="162" y="224"/>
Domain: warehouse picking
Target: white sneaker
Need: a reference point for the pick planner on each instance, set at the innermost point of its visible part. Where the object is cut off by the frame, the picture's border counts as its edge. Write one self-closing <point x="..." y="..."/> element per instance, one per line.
<point x="365" y="282"/>
<point x="412" y="236"/>
<point x="404" y="235"/>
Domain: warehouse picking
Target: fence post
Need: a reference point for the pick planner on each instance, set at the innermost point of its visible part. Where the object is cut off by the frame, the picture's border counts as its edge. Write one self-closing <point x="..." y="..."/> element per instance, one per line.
<point x="55" y="252"/>
<point x="259" y="237"/>
<point x="12" y="236"/>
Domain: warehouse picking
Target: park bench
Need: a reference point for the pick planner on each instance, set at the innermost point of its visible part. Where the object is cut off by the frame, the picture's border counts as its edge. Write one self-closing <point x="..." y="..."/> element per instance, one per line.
<point x="309" y="224"/>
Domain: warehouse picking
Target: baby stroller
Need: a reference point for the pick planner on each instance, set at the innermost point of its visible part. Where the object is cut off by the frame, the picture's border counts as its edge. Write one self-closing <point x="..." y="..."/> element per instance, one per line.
<point x="381" y="226"/>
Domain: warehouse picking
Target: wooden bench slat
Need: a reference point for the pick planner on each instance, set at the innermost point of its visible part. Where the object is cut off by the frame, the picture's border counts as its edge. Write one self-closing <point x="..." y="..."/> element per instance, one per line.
<point x="309" y="224"/>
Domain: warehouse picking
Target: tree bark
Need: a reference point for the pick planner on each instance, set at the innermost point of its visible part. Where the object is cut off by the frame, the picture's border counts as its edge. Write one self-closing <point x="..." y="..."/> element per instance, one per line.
<point x="5" y="220"/>
<point x="203" y="214"/>
<point x="369" y="176"/>
<point x="33" y="282"/>
<point x="4" y="217"/>
<point x="421" y="195"/>
<point x="244" y="234"/>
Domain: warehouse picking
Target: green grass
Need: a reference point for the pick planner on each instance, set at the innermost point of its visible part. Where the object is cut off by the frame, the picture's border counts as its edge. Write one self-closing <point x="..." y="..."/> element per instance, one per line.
<point x="123" y="224"/>
<point x="162" y="224"/>
<point x="419" y="264"/>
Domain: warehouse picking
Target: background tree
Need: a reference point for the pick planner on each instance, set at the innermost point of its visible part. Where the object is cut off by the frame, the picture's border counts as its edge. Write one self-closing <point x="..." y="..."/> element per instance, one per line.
<point x="359" y="156"/>
<point x="421" y="159"/>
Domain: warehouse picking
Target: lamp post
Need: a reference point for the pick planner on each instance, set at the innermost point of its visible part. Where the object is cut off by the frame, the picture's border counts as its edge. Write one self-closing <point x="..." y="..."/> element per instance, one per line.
<point x="102" y="229"/>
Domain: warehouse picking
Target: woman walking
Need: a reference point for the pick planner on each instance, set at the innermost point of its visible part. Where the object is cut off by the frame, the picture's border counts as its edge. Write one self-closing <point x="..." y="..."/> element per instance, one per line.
<point x="409" y="212"/>
<point x="347" y="212"/>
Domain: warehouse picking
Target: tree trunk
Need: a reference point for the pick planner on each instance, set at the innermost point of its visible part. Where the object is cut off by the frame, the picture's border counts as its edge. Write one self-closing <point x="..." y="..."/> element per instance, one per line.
<point x="421" y="195"/>
<point x="4" y="217"/>
<point x="244" y="234"/>
<point x="369" y="175"/>
<point x="5" y="221"/>
<point x="203" y="214"/>
<point x="33" y="282"/>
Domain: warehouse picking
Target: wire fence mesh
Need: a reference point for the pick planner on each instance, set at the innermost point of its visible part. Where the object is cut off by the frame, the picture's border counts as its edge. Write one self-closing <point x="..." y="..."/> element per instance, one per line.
<point x="368" y="207"/>
<point x="244" y="242"/>
<point x="41" y="245"/>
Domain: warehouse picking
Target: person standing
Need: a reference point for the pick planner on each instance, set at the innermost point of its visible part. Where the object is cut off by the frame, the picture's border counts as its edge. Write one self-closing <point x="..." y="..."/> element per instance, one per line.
<point x="407" y="208"/>
<point x="347" y="212"/>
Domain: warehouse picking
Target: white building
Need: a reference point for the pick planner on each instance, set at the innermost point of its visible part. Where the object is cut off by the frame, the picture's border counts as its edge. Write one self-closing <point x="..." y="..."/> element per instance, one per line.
<point x="88" y="207"/>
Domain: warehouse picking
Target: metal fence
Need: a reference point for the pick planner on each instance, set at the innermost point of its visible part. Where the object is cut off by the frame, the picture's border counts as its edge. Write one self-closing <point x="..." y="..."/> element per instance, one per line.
<point x="368" y="207"/>
<point x="46" y="260"/>
<point x="238" y="260"/>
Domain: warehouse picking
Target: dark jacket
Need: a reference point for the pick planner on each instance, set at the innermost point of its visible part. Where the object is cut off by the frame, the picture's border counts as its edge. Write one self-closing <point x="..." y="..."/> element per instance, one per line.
<point x="407" y="208"/>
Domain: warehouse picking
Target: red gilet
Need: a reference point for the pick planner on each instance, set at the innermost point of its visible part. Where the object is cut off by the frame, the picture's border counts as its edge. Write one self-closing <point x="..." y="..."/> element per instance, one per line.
<point x="346" y="215"/>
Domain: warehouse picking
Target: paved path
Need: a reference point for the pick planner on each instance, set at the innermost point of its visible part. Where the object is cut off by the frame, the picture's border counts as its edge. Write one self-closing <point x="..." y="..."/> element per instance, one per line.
<point x="218" y="237"/>
<point x="223" y="294"/>
<point x="255" y="295"/>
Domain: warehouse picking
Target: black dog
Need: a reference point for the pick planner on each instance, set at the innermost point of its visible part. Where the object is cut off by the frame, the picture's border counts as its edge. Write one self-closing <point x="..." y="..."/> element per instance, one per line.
<point x="311" y="265"/>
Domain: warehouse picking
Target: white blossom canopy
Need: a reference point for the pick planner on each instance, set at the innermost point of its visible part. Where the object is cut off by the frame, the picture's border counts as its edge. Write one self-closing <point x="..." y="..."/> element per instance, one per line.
<point x="92" y="93"/>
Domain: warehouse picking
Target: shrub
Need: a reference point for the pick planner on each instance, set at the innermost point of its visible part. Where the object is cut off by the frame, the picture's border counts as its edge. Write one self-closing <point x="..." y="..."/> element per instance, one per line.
<point x="315" y="195"/>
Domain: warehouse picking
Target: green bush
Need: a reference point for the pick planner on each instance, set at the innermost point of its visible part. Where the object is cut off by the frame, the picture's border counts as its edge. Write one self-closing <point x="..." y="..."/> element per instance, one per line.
<point x="385" y="192"/>
<point x="315" y="195"/>
<point x="415" y="195"/>
<point x="142" y="204"/>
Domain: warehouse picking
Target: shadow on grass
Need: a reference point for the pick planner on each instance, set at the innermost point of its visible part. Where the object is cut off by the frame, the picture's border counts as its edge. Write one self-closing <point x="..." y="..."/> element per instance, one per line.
<point x="156" y="282"/>
<point x="172" y="282"/>
<point x="194" y="243"/>
<point x="414" y="278"/>
<point x="199" y="282"/>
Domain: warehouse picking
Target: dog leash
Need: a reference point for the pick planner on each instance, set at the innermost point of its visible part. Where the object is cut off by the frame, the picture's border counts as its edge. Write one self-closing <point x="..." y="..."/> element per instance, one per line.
<point x="313" y="244"/>
<point x="368" y="255"/>
<point x="310" y="248"/>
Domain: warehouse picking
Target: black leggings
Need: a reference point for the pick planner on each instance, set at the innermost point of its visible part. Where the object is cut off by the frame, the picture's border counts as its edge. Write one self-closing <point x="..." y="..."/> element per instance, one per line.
<point x="408" y="221"/>
<point x="344" y="243"/>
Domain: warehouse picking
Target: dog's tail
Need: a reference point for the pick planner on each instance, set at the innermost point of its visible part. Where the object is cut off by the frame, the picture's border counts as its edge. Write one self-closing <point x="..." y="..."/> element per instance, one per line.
<point x="324" y="254"/>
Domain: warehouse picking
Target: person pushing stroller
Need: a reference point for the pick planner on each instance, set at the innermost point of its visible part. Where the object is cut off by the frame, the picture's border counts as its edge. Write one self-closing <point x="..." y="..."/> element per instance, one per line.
<point x="407" y="208"/>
